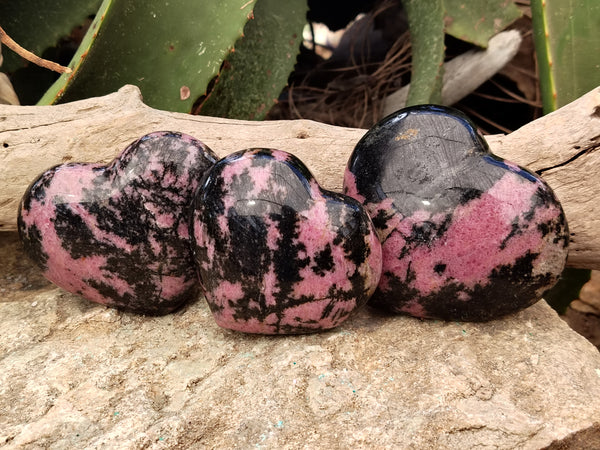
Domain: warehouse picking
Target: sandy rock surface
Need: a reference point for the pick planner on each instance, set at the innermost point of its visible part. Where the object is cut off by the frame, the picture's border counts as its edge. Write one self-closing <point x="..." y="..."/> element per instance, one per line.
<point x="78" y="375"/>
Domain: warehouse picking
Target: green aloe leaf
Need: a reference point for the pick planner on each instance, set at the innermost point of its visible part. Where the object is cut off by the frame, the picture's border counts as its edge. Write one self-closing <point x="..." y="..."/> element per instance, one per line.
<point x="567" y="42"/>
<point x="39" y="24"/>
<point x="258" y="70"/>
<point x="169" y="49"/>
<point x="426" y="24"/>
<point x="567" y="46"/>
<point x="476" y="21"/>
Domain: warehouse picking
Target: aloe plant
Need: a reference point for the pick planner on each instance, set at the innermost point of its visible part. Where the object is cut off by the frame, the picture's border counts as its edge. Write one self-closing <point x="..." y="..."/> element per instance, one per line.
<point x="255" y="74"/>
<point x="426" y="24"/>
<point x="474" y="21"/>
<point x="567" y="45"/>
<point x="170" y="50"/>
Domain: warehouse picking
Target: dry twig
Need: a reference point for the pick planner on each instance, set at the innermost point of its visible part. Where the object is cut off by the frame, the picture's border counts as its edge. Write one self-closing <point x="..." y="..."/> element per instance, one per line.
<point x="26" y="54"/>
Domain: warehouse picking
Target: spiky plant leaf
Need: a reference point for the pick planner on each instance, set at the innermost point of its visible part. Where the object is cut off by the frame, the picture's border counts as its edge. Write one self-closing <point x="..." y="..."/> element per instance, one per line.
<point x="567" y="43"/>
<point x="258" y="70"/>
<point x="169" y="49"/>
<point x="426" y="24"/>
<point x="476" y="21"/>
<point x="567" y="46"/>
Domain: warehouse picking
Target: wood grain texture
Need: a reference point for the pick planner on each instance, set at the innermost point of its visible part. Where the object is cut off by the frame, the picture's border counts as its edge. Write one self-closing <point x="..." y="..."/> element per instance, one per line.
<point x="563" y="147"/>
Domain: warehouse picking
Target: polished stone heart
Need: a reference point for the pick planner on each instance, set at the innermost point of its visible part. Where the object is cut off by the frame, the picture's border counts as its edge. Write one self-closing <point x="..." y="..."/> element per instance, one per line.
<point x="118" y="234"/>
<point x="465" y="234"/>
<point x="276" y="253"/>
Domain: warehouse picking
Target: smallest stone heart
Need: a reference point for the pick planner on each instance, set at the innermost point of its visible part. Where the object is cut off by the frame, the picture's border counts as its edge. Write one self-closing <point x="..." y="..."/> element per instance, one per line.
<point x="276" y="253"/>
<point x="465" y="235"/>
<point x="118" y="234"/>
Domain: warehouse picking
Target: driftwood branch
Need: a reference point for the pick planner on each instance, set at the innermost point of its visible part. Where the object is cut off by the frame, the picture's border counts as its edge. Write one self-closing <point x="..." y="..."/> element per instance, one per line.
<point x="563" y="147"/>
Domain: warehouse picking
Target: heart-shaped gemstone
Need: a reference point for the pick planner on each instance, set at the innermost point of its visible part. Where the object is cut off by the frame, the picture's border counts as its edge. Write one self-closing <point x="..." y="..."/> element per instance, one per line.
<point x="118" y="234"/>
<point x="276" y="253"/>
<point x="465" y="234"/>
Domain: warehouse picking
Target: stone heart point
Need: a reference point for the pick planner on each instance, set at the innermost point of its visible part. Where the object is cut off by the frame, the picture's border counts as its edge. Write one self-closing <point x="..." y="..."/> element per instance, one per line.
<point x="276" y="253"/>
<point x="118" y="234"/>
<point x="465" y="234"/>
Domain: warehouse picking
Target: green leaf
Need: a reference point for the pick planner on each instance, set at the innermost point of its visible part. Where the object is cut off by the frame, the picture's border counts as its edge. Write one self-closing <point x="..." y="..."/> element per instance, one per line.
<point x="169" y="49"/>
<point x="476" y="21"/>
<point x="567" y="45"/>
<point x="39" y="24"/>
<point x="258" y="70"/>
<point x="426" y="24"/>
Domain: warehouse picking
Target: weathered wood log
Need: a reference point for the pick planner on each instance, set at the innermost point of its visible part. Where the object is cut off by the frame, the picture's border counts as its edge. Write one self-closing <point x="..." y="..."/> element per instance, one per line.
<point x="562" y="147"/>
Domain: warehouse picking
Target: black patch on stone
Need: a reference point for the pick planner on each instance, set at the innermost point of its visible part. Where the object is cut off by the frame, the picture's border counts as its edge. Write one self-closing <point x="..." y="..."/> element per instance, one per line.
<point x="286" y="259"/>
<point x="355" y="231"/>
<point x="510" y="288"/>
<point x="324" y="261"/>
<point x="37" y="189"/>
<point x="426" y="233"/>
<point x="380" y="220"/>
<point x="469" y="194"/>
<point x="76" y="238"/>
<point x="519" y="272"/>
<point x="439" y="268"/>
<point x="32" y="244"/>
<point x="146" y="298"/>
<point x="398" y="295"/>
<point x="248" y="239"/>
<point x="514" y="231"/>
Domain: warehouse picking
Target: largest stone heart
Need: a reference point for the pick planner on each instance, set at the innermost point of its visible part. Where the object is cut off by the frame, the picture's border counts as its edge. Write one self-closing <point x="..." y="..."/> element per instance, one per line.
<point x="276" y="253"/>
<point x="465" y="234"/>
<point x="118" y="234"/>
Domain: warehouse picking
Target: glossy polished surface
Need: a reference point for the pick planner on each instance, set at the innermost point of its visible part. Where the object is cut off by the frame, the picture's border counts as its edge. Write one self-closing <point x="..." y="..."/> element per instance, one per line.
<point x="465" y="234"/>
<point x="276" y="253"/>
<point x="118" y="234"/>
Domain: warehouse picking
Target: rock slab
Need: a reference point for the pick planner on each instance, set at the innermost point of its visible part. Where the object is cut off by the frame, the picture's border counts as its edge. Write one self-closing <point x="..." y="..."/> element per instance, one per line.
<point x="74" y="374"/>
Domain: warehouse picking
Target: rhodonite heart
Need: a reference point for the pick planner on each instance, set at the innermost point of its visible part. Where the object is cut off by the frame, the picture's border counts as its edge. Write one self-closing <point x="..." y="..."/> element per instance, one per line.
<point x="276" y="253"/>
<point x="118" y="234"/>
<point x="465" y="235"/>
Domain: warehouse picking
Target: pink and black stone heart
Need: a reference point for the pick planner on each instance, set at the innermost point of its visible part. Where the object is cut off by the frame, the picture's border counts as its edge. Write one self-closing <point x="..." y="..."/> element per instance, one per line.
<point x="276" y="253"/>
<point x="118" y="234"/>
<point x="465" y="234"/>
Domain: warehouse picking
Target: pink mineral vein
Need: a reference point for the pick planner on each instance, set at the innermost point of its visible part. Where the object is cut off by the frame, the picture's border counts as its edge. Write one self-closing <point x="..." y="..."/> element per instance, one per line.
<point x="471" y="248"/>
